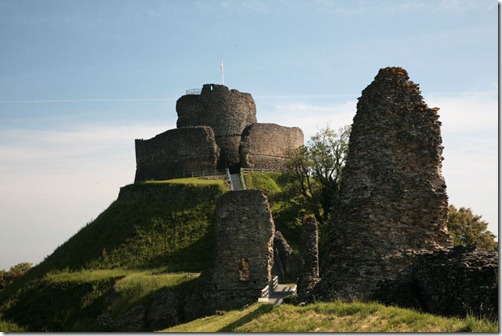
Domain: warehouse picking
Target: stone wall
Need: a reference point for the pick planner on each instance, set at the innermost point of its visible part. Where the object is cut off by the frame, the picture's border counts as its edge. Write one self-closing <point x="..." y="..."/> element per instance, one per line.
<point x="244" y="254"/>
<point x="226" y="111"/>
<point x="265" y="145"/>
<point x="452" y="282"/>
<point x="176" y="153"/>
<point x="393" y="194"/>
<point x="309" y="256"/>
<point x="289" y="260"/>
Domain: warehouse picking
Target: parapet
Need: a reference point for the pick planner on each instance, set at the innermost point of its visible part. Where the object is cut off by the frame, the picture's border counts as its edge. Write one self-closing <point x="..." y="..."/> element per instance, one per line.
<point x="176" y="153"/>
<point x="265" y="146"/>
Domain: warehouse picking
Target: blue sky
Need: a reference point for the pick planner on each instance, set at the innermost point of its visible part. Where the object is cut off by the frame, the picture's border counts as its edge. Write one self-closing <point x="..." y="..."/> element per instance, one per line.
<point x="80" y="80"/>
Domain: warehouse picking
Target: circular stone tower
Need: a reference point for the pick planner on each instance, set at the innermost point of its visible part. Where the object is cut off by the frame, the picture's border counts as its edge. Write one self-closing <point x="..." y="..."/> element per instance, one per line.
<point x="226" y="111"/>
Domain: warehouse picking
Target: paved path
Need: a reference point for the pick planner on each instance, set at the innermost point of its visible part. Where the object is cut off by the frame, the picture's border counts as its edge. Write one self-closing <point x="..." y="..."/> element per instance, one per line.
<point x="236" y="181"/>
<point x="280" y="292"/>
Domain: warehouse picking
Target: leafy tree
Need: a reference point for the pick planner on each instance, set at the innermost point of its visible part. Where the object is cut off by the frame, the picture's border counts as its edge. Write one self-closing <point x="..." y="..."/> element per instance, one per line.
<point x="315" y="170"/>
<point x="468" y="228"/>
<point x="15" y="272"/>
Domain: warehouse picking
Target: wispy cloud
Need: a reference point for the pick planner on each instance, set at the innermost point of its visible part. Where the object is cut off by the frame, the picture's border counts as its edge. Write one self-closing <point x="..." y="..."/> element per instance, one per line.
<point x="365" y="7"/>
<point x="83" y="100"/>
<point x="310" y="117"/>
<point x="54" y="182"/>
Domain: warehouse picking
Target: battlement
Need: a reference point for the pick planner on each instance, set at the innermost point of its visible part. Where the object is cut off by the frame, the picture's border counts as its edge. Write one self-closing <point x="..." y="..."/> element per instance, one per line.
<point x="227" y="113"/>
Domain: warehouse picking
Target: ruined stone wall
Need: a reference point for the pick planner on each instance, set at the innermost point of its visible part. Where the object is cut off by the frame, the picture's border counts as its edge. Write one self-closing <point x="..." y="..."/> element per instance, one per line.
<point x="393" y="194"/>
<point x="244" y="254"/>
<point x="309" y="256"/>
<point x="265" y="145"/>
<point x="453" y="282"/>
<point x="176" y="153"/>
<point x="226" y="111"/>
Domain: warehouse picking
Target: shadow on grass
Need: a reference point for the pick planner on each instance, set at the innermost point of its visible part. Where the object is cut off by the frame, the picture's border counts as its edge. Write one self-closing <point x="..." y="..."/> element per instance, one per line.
<point x="263" y="309"/>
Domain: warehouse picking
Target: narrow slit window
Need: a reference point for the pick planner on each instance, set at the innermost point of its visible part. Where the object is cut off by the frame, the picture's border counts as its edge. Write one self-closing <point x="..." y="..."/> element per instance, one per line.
<point x="244" y="269"/>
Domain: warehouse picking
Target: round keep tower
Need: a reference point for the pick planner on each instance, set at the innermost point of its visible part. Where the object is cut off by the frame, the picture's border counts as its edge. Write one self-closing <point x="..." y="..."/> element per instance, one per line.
<point x="226" y="111"/>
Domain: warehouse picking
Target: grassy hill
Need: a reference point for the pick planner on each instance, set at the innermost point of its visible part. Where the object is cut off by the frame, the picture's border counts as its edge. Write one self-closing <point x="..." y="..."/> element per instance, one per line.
<point x="150" y="224"/>
<point x="158" y="235"/>
<point x="332" y="317"/>
<point x="156" y="227"/>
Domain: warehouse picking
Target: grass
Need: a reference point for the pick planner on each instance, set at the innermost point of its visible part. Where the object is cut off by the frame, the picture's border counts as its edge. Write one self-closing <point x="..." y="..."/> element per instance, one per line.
<point x="333" y="317"/>
<point x="156" y="224"/>
<point x="138" y="285"/>
<point x="71" y="301"/>
<point x="223" y="322"/>
<point x="195" y="181"/>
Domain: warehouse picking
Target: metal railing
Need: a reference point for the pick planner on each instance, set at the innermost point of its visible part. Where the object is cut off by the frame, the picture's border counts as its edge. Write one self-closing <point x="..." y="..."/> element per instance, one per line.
<point x="259" y="170"/>
<point x="208" y="173"/>
<point x="193" y="91"/>
<point x="271" y="286"/>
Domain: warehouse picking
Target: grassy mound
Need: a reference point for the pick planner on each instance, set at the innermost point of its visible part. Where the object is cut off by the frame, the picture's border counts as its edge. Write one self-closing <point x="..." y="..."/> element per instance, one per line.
<point x="151" y="224"/>
<point x="162" y="224"/>
<point x="71" y="301"/>
<point x="332" y="317"/>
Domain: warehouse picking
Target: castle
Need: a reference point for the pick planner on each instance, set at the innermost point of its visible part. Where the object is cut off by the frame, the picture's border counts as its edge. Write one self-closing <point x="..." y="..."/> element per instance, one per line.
<point x="216" y="129"/>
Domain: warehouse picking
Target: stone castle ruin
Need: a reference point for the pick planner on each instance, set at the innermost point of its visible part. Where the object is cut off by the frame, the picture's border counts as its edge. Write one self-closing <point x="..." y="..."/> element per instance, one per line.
<point x="389" y="232"/>
<point x="394" y="201"/>
<point x="244" y="258"/>
<point x="216" y="129"/>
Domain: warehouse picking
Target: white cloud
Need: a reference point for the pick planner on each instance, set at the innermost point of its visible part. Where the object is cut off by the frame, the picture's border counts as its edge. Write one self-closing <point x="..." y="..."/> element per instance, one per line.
<point x="54" y="182"/>
<point x="310" y="117"/>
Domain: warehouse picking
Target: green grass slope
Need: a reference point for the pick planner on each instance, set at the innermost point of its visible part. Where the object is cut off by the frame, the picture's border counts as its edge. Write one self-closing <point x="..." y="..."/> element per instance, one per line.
<point x="151" y="224"/>
<point x="71" y="301"/>
<point x="158" y="227"/>
<point x="332" y="317"/>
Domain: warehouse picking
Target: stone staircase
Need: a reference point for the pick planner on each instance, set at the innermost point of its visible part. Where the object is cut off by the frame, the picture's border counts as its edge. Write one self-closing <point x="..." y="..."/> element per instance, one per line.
<point x="235" y="179"/>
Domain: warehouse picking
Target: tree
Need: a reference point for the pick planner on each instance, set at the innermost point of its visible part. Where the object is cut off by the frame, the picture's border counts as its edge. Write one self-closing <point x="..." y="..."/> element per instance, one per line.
<point x="315" y="170"/>
<point x="15" y="272"/>
<point x="468" y="228"/>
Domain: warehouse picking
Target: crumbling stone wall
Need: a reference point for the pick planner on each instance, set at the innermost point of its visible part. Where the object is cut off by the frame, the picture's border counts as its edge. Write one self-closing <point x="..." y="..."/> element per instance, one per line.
<point x="309" y="256"/>
<point x="453" y="282"/>
<point x="226" y="111"/>
<point x="244" y="254"/>
<point x="176" y="153"/>
<point x="265" y="145"/>
<point x="289" y="260"/>
<point x="393" y="194"/>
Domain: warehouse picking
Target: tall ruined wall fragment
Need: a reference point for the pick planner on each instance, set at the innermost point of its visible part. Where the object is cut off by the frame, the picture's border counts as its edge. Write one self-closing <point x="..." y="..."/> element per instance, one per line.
<point x="265" y="145"/>
<point x="309" y="265"/>
<point x="176" y="153"/>
<point x="226" y="111"/>
<point x="244" y="258"/>
<point x="393" y="194"/>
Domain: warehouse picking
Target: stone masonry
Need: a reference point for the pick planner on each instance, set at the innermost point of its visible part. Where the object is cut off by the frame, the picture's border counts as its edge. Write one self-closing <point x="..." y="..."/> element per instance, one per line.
<point x="169" y="155"/>
<point x="244" y="254"/>
<point x="309" y="256"/>
<point x="235" y="139"/>
<point x="226" y="111"/>
<point x="454" y="282"/>
<point x="266" y="145"/>
<point x="394" y="200"/>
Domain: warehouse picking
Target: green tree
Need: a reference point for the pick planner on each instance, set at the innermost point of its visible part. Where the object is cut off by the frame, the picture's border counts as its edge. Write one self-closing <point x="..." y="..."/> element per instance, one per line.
<point x="314" y="170"/>
<point x="15" y="272"/>
<point x="468" y="228"/>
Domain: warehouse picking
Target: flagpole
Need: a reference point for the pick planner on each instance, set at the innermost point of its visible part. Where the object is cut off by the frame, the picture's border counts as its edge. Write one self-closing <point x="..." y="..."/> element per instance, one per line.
<point x="222" y="73"/>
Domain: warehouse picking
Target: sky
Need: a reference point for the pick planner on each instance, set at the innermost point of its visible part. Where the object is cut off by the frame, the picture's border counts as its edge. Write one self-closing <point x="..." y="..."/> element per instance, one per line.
<point x="80" y="80"/>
